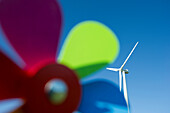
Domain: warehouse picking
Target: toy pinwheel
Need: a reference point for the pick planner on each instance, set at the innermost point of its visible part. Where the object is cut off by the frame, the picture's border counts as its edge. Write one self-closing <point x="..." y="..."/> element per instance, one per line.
<point x="33" y="28"/>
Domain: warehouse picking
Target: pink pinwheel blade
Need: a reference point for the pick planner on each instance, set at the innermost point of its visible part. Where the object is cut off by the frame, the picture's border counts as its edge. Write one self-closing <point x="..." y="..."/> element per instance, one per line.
<point x="33" y="28"/>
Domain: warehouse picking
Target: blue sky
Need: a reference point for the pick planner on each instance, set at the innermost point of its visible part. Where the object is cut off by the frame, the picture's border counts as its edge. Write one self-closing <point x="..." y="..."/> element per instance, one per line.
<point x="146" y="21"/>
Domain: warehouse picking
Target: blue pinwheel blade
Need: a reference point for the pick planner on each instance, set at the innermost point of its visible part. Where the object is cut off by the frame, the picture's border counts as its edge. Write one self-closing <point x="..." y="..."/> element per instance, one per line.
<point x="101" y="96"/>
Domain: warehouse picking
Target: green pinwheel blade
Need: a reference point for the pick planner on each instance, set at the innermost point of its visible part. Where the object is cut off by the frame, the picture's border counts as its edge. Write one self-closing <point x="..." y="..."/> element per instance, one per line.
<point x="89" y="46"/>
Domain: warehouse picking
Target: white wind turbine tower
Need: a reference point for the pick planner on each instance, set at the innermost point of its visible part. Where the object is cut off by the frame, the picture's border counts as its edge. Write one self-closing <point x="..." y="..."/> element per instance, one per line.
<point x="123" y="72"/>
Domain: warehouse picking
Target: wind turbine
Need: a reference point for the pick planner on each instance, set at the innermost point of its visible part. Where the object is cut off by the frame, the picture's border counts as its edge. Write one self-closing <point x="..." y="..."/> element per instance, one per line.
<point x="123" y="72"/>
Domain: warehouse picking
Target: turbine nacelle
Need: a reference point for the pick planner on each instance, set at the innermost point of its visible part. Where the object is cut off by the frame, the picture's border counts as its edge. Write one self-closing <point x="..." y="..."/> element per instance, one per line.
<point x="126" y="71"/>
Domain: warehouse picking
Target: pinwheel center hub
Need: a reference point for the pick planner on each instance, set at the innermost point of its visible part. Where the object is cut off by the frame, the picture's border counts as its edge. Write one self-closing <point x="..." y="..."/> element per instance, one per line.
<point x="56" y="90"/>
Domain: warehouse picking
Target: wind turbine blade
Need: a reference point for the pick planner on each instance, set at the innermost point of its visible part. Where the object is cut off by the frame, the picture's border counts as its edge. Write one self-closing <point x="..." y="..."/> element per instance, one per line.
<point x="120" y="80"/>
<point x="125" y="88"/>
<point x="113" y="69"/>
<point x="129" y="55"/>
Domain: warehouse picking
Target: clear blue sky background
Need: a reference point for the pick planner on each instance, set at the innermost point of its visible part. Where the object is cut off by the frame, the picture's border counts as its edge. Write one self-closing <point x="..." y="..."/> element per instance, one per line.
<point x="146" y="21"/>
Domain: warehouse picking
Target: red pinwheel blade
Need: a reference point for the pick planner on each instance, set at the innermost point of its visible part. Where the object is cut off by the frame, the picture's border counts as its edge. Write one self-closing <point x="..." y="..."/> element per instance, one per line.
<point x="11" y="79"/>
<point x="33" y="28"/>
<point x="14" y="84"/>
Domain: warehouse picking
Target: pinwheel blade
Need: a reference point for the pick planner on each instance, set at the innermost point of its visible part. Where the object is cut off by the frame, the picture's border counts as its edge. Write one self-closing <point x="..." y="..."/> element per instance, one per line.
<point x="113" y="69"/>
<point x="89" y="47"/>
<point x="12" y="79"/>
<point x="125" y="88"/>
<point x="33" y="28"/>
<point x="100" y="96"/>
